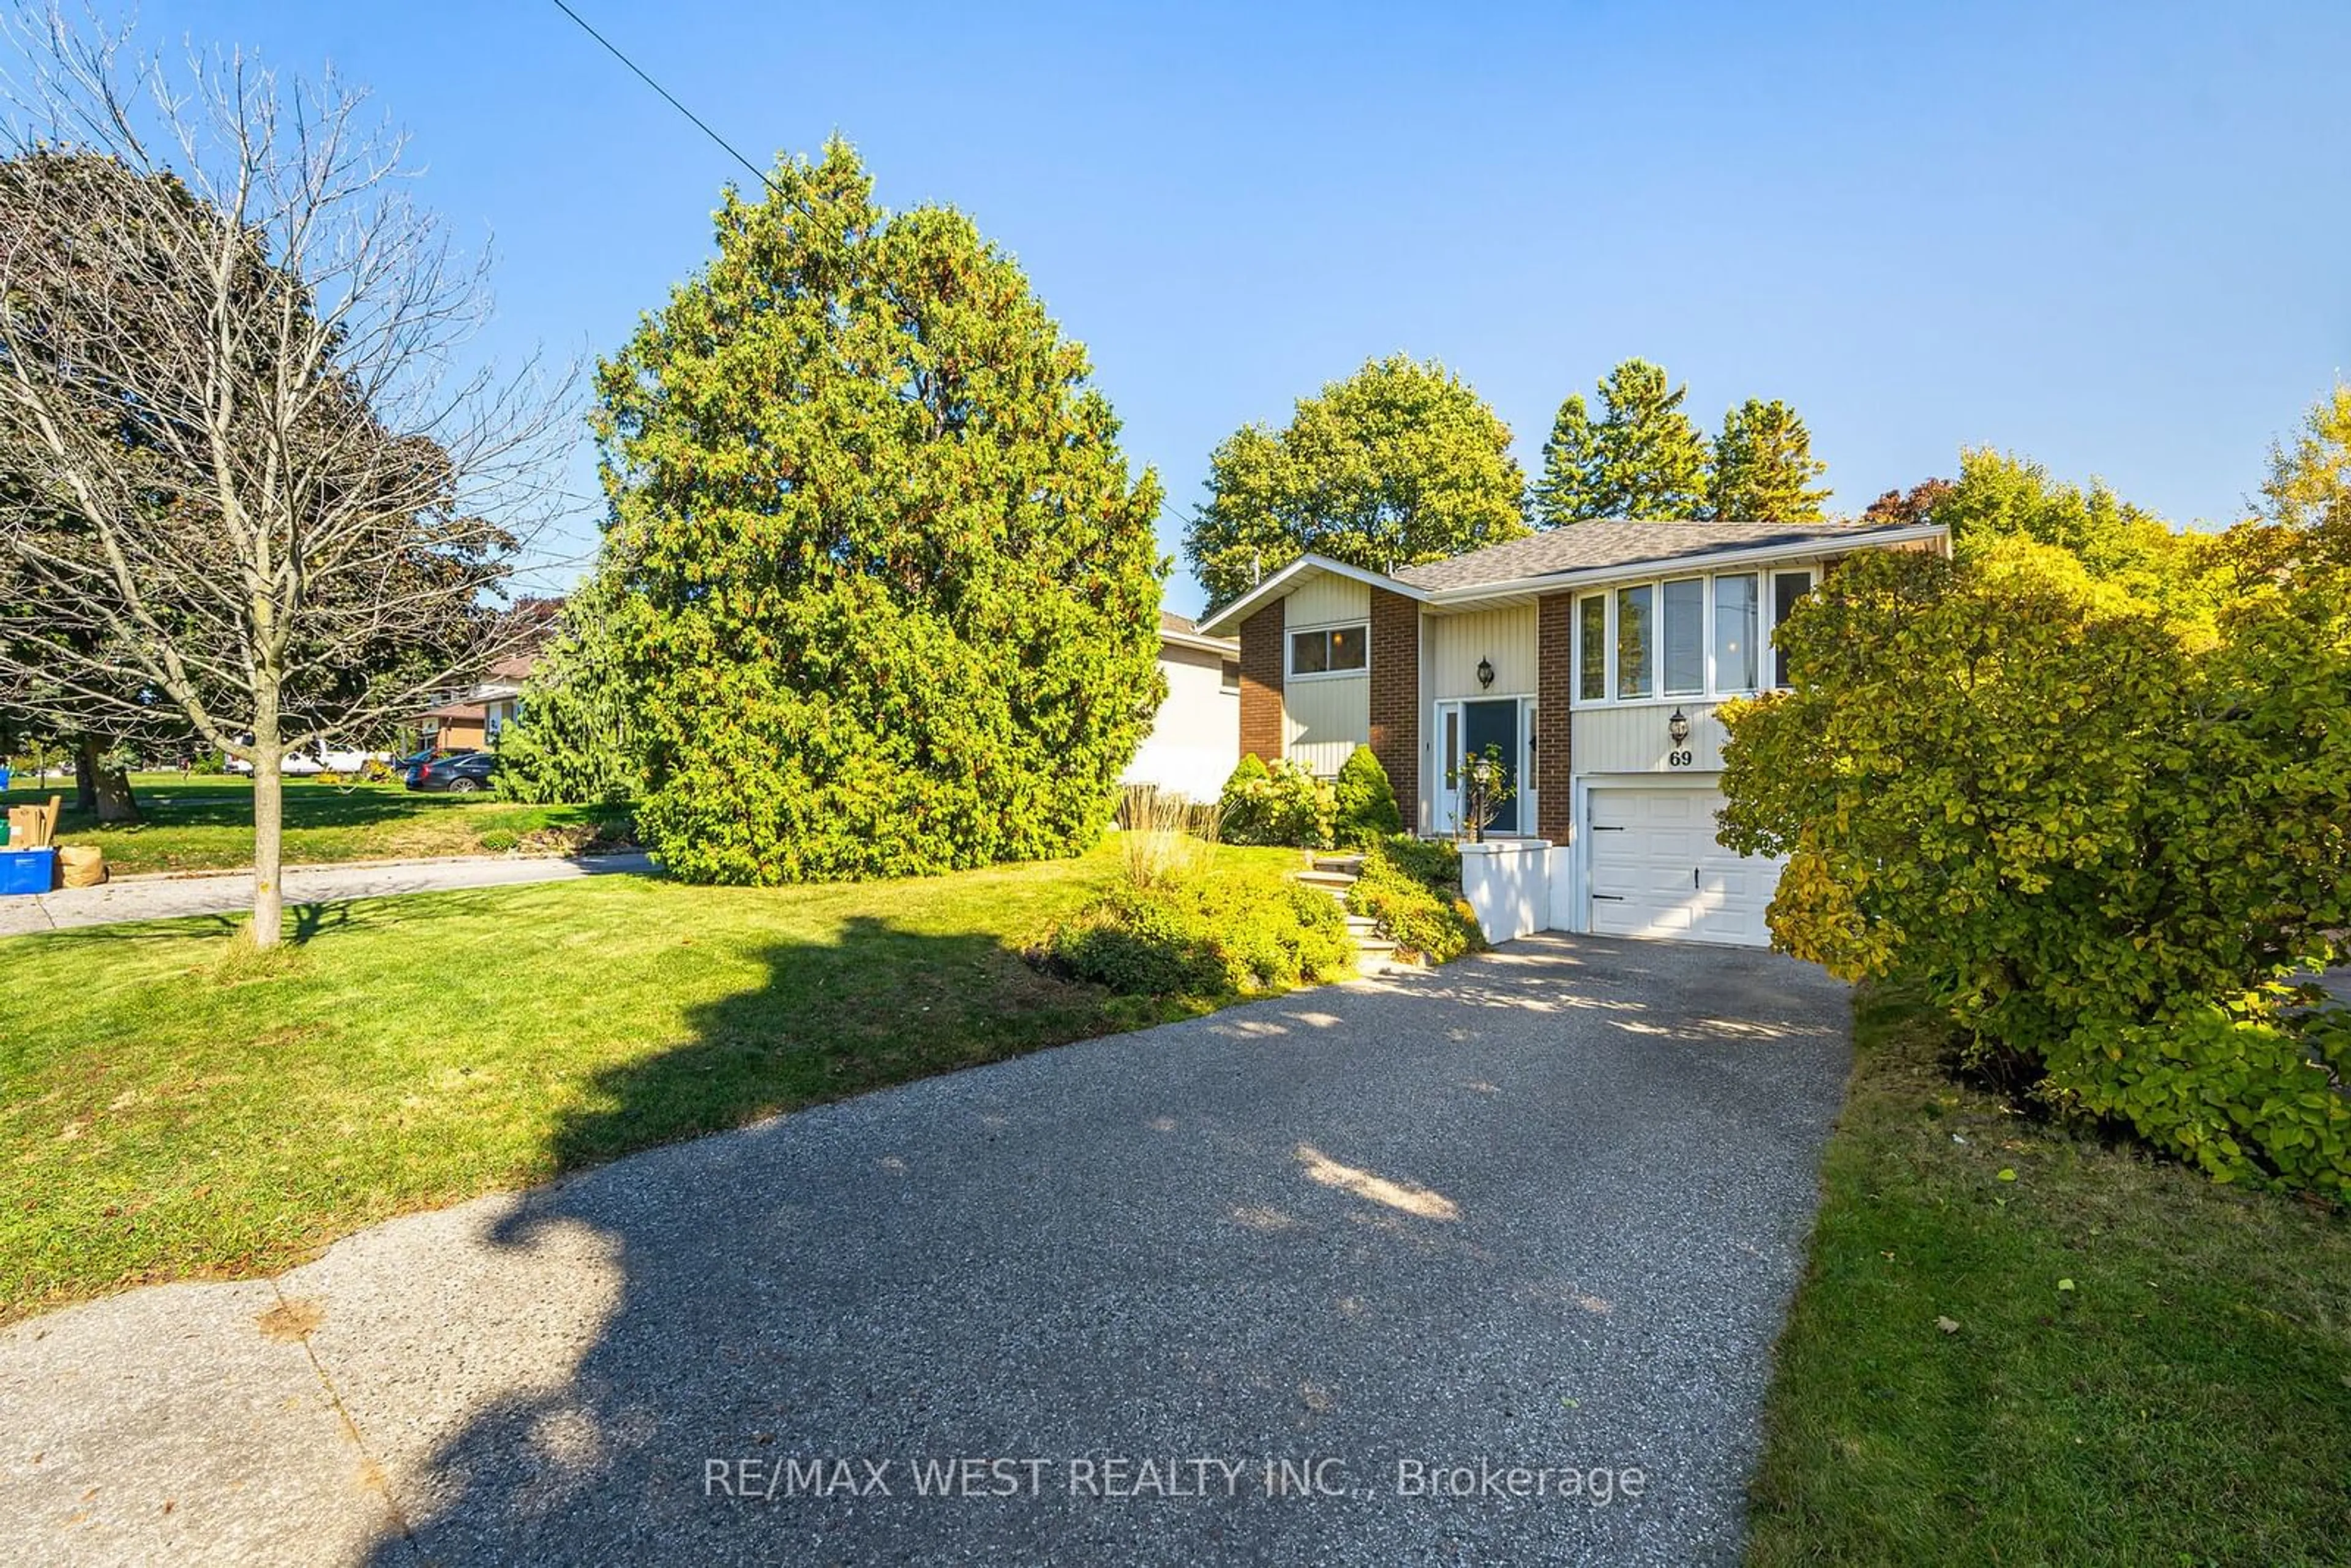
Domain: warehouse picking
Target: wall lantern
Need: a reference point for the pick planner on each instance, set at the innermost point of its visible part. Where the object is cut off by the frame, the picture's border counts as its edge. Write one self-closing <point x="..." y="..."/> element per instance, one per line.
<point x="1485" y="673"/>
<point x="1677" y="726"/>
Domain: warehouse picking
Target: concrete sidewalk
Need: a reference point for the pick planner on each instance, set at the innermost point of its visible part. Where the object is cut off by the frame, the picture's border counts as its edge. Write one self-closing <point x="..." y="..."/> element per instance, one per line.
<point x="1539" y="1210"/>
<point x="230" y="891"/>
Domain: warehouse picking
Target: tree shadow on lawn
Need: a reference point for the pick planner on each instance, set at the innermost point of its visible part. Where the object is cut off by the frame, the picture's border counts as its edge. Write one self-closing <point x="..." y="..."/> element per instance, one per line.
<point x="307" y="805"/>
<point x="1359" y="1224"/>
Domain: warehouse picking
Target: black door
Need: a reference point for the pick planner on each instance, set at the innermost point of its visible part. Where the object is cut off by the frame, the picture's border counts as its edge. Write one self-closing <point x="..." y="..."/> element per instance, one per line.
<point x="1495" y="724"/>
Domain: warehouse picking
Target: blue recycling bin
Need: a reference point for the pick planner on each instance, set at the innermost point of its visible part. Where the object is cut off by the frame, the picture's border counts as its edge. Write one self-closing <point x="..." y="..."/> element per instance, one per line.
<point x="28" y="871"/>
<point x="3" y="778"/>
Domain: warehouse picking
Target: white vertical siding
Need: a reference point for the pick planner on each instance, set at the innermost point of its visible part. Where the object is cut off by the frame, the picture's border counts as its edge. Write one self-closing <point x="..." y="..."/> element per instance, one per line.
<point x="1633" y="739"/>
<point x="1324" y="720"/>
<point x="1323" y="599"/>
<point x="1507" y="637"/>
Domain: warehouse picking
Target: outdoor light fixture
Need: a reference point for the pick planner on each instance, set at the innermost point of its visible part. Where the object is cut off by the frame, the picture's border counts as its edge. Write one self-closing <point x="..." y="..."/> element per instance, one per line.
<point x="1677" y="726"/>
<point x="1485" y="671"/>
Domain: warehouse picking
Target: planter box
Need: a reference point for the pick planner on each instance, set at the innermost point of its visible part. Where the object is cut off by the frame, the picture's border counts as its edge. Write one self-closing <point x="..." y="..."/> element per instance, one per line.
<point x="1507" y="884"/>
<point x="28" y="871"/>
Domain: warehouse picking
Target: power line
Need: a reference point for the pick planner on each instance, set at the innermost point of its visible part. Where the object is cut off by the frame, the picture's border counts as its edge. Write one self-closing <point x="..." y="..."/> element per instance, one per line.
<point x="666" y="96"/>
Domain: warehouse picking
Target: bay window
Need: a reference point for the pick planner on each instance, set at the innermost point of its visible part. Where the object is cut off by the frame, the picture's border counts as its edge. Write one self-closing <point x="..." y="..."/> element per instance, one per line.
<point x="1685" y="636"/>
<point x="1634" y="637"/>
<point x="1703" y="637"/>
<point x="1734" y="633"/>
<point x="1788" y="588"/>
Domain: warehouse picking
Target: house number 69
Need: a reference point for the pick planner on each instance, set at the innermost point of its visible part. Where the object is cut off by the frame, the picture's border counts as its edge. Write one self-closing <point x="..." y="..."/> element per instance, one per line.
<point x="1677" y="758"/>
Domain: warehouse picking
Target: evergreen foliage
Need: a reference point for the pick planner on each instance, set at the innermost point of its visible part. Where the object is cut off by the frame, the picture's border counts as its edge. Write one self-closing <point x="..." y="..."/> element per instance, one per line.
<point x="1641" y="457"/>
<point x="897" y="590"/>
<point x="574" y="739"/>
<point x="1364" y="803"/>
<point x="1764" y="468"/>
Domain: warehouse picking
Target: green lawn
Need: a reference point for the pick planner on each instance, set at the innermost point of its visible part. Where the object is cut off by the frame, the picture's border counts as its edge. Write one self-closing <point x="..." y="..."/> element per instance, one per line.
<point x="205" y="824"/>
<point x="2186" y="1402"/>
<point x="169" y="1108"/>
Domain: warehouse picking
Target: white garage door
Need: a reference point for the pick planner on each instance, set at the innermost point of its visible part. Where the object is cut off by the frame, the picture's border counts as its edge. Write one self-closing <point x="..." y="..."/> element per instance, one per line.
<point x="1657" y="870"/>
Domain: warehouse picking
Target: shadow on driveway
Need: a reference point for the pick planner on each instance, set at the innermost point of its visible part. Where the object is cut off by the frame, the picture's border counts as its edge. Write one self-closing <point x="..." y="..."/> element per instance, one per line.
<point x="1543" y="1209"/>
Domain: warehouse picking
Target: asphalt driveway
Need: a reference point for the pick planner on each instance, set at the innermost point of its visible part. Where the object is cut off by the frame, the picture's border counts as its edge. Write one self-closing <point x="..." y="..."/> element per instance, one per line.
<point x="1253" y="1287"/>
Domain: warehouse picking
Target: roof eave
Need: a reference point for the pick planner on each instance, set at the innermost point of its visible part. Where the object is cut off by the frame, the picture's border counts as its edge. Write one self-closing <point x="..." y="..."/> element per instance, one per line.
<point x="1273" y="587"/>
<point x="1806" y="549"/>
<point x="1226" y="646"/>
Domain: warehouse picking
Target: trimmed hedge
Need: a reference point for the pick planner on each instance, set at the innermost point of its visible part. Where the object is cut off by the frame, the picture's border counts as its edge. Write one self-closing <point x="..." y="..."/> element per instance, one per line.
<point x="1219" y="934"/>
<point x="1411" y="890"/>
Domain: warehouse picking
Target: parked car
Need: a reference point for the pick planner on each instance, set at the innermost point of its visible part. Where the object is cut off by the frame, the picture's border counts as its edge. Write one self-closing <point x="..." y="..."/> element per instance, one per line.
<point x="300" y="765"/>
<point x="460" y="772"/>
<point x="405" y="765"/>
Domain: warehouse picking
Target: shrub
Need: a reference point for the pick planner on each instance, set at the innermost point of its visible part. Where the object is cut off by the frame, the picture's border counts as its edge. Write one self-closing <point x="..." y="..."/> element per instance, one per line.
<point x="1364" y="802"/>
<point x="1411" y="892"/>
<point x="1222" y="934"/>
<point x="498" y="840"/>
<point x="2102" y="836"/>
<point x="1281" y="804"/>
<point x="1243" y="811"/>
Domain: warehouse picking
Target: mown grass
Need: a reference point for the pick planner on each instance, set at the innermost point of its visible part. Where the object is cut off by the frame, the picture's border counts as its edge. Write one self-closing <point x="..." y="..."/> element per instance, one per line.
<point x="2187" y="1401"/>
<point x="172" y="1105"/>
<point x="205" y="824"/>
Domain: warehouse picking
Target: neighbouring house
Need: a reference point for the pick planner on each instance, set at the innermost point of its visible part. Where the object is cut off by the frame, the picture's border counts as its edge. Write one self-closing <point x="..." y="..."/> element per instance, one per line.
<point x="1593" y="657"/>
<point x="1194" y="742"/>
<point x="471" y="720"/>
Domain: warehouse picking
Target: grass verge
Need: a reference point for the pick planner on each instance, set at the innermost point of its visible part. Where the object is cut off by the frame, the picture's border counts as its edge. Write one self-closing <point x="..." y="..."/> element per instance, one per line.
<point x="2014" y="1345"/>
<point x="174" y="1104"/>
<point x="205" y="824"/>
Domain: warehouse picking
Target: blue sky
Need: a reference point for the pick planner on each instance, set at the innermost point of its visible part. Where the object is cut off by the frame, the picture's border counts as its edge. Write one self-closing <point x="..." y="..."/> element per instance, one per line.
<point x="2112" y="238"/>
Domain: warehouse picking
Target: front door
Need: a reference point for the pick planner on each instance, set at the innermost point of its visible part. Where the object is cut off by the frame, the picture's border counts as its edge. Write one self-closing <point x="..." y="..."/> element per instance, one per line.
<point x="1495" y="724"/>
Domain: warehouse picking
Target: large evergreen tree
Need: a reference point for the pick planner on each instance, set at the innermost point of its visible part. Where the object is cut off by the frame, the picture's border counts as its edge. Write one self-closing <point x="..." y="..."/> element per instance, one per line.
<point x="574" y="739"/>
<point x="1642" y="457"/>
<point x="899" y="590"/>
<point x="1399" y="463"/>
<point x="1764" y="467"/>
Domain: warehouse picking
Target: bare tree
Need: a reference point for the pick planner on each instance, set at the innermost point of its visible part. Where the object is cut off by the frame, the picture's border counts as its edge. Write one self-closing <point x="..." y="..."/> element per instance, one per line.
<point x="247" y="485"/>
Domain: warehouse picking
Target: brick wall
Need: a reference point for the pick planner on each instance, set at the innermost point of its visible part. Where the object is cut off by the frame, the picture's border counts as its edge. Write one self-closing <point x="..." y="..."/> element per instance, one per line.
<point x="1554" y="689"/>
<point x="1395" y="697"/>
<point x="1261" y="664"/>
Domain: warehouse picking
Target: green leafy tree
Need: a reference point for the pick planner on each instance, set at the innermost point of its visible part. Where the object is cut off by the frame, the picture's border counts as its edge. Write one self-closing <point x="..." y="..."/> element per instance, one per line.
<point x="1401" y="463"/>
<point x="2000" y="497"/>
<point x="1641" y="457"/>
<point x="1364" y="801"/>
<point x="897" y="590"/>
<point x="574" y="739"/>
<point x="2309" y="483"/>
<point x="2100" y="834"/>
<point x="1764" y="468"/>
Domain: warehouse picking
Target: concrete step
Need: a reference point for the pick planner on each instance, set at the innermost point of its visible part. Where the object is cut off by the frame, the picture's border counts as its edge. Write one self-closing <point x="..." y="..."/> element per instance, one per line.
<point x="1349" y="865"/>
<point x="1342" y="880"/>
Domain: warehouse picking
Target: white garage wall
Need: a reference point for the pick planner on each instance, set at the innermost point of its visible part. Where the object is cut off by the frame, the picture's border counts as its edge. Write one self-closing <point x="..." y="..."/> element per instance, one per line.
<point x="1634" y="739"/>
<point x="1196" y="737"/>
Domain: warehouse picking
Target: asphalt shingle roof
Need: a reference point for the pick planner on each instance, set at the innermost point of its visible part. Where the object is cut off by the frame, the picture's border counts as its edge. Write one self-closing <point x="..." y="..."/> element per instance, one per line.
<point x="1593" y="546"/>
